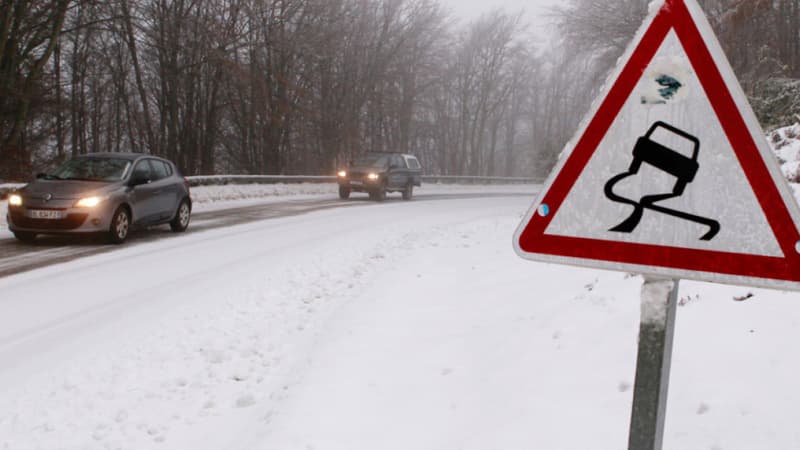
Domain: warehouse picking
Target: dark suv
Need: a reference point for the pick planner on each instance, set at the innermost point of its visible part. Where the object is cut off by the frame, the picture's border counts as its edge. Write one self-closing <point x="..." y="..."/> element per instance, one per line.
<point x="379" y="173"/>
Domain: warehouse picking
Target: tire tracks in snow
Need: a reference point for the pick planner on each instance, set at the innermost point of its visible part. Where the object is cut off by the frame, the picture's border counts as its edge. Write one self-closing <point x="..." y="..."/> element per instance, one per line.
<point x="17" y="257"/>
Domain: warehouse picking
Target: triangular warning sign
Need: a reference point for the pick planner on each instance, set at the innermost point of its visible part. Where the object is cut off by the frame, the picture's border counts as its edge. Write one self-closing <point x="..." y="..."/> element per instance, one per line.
<point x="672" y="176"/>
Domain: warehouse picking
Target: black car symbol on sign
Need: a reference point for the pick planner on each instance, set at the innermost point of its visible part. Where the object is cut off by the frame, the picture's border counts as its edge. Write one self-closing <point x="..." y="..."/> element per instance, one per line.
<point x="670" y="161"/>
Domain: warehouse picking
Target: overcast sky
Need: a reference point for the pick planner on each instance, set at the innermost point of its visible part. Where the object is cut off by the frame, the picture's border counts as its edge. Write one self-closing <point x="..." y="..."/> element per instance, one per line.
<point x="469" y="9"/>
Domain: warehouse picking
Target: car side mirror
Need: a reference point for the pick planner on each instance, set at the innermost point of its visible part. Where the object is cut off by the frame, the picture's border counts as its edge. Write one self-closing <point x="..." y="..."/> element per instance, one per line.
<point x="41" y="175"/>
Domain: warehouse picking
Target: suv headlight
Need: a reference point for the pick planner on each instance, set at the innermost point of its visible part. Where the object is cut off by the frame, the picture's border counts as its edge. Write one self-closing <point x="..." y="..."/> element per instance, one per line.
<point x="342" y="174"/>
<point x="15" y="200"/>
<point x="373" y="176"/>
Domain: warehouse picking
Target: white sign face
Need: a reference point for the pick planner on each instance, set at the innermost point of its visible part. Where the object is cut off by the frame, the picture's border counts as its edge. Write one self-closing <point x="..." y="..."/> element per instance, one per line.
<point x="673" y="175"/>
<point x="718" y="191"/>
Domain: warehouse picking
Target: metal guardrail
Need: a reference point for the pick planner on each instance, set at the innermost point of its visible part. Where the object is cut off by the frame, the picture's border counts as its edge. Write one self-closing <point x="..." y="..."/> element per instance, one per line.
<point x="221" y="180"/>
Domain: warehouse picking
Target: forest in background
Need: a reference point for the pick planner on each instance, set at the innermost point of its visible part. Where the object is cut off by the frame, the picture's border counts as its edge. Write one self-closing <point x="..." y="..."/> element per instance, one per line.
<point x="300" y="86"/>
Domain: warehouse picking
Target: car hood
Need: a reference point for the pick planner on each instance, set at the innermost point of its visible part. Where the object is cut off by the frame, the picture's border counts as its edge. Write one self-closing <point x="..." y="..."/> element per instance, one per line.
<point x="68" y="189"/>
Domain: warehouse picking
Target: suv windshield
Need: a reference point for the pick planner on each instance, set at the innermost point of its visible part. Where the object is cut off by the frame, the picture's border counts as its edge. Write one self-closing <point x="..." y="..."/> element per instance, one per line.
<point x="92" y="169"/>
<point x="377" y="161"/>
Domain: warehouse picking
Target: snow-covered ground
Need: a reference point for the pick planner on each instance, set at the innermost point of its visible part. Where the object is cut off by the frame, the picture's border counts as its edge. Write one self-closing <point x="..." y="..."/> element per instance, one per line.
<point x="404" y="326"/>
<point x="482" y="351"/>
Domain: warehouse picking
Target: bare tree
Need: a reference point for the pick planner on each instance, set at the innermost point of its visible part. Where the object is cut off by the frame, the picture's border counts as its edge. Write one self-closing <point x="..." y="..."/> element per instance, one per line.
<point x="29" y="32"/>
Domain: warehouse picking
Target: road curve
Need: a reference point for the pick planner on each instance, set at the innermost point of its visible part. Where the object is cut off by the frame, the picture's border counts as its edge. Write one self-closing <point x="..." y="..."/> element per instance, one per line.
<point x="17" y="257"/>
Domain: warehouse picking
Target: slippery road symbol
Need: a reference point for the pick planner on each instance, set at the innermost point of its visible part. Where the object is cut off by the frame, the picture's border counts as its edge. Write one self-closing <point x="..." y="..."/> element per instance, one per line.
<point x="667" y="160"/>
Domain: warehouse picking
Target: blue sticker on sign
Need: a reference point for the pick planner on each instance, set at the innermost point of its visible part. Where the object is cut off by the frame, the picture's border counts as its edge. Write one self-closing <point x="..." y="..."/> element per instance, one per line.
<point x="544" y="210"/>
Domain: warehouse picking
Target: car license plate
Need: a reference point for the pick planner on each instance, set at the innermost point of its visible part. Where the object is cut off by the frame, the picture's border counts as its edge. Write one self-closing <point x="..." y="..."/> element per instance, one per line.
<point x="357" y="183"/>
<point x="45" y="214"/>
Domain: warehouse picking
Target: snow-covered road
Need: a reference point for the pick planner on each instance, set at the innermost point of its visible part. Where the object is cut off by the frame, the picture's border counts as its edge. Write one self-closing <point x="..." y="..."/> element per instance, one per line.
<point x="388" y="326"/>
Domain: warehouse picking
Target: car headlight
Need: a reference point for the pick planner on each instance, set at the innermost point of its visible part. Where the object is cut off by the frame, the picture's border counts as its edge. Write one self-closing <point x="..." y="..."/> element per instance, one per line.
<point x="89" y="202"/>
<point x="342" y="174"/>
<point x="15" y="200"/>
<point x="373" y="176"/>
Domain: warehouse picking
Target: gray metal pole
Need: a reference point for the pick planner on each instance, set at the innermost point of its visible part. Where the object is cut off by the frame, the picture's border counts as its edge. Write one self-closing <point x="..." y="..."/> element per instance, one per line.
<point x="656" y="332"/>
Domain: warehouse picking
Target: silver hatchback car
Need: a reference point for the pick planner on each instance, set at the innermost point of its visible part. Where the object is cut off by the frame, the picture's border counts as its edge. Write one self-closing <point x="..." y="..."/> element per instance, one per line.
<point x="108" y="193"/>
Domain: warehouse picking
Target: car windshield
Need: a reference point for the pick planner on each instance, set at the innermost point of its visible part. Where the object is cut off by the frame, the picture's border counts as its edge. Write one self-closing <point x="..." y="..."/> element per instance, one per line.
<point x="92" y="169"/>
<point x="371" y="161"/>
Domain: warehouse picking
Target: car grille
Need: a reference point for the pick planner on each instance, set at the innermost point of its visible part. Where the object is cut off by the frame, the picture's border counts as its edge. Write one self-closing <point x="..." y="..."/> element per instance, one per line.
<point x="357" y="175"/>
<point x="71" y="222"/>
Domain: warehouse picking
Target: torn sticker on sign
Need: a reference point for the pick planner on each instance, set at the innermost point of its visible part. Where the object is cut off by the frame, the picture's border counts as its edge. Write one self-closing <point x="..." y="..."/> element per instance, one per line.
<point x="665" y="82"/>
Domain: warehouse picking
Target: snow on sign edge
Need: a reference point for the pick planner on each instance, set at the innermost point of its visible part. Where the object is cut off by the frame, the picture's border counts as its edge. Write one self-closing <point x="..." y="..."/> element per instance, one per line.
<point x="753" y="130"/>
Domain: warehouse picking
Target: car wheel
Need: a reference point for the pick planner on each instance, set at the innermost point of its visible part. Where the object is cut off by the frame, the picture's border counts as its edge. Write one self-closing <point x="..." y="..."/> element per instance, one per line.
<point x="344" y="192"/>
<point x="408" y="192"/>
<point x="25" y="236"/>
<point x="182" y="216"/>
<point x="120" y="226"/>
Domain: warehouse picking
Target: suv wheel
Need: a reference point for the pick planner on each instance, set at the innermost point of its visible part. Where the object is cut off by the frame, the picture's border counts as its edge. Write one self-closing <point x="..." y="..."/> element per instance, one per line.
<point x="408" y="192"/>
<point x="344" y="192"/>
<point x="180" y="222"/>
<point x="25" y="236"/>
<point x="120" y="226"/>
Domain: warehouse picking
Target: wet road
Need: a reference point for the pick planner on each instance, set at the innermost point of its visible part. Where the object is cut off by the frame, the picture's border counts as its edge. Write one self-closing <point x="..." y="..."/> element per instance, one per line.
<point x="17" y="257"/>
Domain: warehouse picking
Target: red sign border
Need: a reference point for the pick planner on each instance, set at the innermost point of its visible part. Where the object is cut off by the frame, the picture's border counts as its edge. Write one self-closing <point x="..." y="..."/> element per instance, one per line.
<point x="674" y="15"/>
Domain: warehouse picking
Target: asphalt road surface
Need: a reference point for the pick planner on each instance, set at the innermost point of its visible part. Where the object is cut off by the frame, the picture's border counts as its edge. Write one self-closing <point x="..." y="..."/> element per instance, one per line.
<point x="17" y="257"/>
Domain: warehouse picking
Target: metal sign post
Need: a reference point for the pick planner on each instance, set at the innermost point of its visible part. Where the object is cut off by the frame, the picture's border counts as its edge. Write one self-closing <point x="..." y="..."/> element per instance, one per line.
<point x="656" y="332"/>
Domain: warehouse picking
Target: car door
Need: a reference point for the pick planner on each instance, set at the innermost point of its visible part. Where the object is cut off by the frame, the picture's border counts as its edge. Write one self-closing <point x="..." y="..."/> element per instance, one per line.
<point x="165" y="196"/>
<point x="398" y="172"/>
<point x="143" y="198"/>
<point x="414" y="169"/>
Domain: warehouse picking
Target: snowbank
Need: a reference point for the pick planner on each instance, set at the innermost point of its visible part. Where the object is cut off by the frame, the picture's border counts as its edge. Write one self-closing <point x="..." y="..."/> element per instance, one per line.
<point x="786" y="144"/>
<point x="215" y="194"/>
